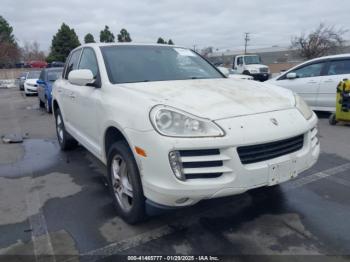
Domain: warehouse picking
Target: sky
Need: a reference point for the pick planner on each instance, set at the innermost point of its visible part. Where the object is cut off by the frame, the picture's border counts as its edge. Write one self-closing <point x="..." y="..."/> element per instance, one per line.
<point x="189" y="23"/>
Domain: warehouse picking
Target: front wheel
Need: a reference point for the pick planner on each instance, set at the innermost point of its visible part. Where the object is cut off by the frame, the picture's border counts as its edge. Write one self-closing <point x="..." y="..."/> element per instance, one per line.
<point x="125" y="183"/>
<point x="65" y="140"/>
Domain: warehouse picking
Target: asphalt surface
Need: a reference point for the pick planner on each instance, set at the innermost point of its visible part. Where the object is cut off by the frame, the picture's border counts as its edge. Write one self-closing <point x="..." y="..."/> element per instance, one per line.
<point x="56" y="203"/>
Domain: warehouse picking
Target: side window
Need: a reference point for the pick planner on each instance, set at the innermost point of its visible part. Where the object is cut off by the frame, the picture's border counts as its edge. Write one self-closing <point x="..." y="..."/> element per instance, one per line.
<point x="73" y="62"/>
<point x="339" y="67"/>
<point x="88" y="61"/>
<point x="240" y="61"/>
<point x="309" y="70"/>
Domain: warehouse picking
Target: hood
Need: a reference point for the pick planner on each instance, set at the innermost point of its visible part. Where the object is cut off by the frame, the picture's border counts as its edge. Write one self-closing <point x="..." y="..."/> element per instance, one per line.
<point x="31" y="81"/>
<point x="216" y="98"/>
<point x="256" y="66"/>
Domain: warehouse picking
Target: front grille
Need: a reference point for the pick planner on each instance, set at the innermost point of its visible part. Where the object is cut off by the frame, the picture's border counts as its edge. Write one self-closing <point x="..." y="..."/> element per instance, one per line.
<point x="257" y="153"/>
<point x="264" y="70"/>
<point x="203" y="163"/>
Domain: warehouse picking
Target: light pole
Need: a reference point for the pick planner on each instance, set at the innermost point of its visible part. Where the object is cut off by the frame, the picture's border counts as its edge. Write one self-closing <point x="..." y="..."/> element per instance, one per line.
<point x="246" y="39"/>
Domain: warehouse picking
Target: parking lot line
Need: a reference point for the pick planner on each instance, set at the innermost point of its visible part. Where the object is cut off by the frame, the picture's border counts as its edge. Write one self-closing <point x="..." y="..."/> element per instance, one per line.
<point x="165" y="230"/>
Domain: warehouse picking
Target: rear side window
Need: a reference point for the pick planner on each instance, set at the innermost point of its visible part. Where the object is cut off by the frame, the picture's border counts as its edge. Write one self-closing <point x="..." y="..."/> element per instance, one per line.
<point x="73" y="62"/>
<point x="88" y="61"/>
<point x="339" y="67"/>
<point x="42" y="75"/>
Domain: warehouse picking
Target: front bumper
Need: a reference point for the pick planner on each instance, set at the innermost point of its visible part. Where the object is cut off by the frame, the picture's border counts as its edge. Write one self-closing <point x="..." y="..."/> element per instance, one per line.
<point x="30" y="89"/>
<point x="162" y="187"/>
<point x="260" y="76"/>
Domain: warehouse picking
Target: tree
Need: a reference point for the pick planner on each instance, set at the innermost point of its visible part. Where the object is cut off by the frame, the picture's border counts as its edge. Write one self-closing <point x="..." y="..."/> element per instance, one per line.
<point x="9" y="51"/>
<point x="63" y="42"/>
<point x="32" y="52"/>
<point x="106" y="36"/>
<point x="170" y="42"/>
<point x="89" y="38"/>
<point x="124" y="36"/>
<point x="161" y="41"/>
<point x="323" y="41"/>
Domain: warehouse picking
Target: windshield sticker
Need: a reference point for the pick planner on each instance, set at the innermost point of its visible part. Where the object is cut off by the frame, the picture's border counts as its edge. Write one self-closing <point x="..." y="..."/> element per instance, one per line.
<point x="184" y="52"/>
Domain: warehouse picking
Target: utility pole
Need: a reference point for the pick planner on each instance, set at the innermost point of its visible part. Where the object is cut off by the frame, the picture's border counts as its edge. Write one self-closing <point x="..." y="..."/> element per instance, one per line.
<point x="246" y="39"/>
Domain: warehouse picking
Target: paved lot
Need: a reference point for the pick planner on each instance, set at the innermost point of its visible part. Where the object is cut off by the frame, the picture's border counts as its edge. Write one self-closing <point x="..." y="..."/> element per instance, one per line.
<point x="57" y="203"/>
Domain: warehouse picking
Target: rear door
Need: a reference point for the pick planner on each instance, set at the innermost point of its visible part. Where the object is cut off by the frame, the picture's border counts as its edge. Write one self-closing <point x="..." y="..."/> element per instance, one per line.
<point x="307" y="82"/>
<point x="337" y="70"/>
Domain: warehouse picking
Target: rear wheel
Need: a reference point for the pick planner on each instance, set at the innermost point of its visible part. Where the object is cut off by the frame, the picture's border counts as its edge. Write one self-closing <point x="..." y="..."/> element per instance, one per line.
<point x="48" y="107"/>
<point x="65" y="140"/>
<point x="41" y="103"/>
<point x="125" y="183"/>
<point x="332" y="120"/>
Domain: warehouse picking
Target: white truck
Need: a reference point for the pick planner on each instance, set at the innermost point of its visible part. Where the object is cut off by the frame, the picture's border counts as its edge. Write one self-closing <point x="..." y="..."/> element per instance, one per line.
<point x="251" y="65"/>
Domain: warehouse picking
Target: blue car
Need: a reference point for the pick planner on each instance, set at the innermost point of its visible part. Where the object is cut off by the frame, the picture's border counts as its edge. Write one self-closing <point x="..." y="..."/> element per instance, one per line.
<point x="46" y="79"/>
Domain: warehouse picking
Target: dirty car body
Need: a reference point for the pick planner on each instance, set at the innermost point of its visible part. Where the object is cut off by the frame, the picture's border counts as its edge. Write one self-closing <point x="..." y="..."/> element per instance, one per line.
<point x="192" y="134"/>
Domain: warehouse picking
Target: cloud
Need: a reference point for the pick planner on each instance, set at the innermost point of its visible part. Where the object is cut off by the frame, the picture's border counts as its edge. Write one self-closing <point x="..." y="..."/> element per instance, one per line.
<point x="188" y="22"/>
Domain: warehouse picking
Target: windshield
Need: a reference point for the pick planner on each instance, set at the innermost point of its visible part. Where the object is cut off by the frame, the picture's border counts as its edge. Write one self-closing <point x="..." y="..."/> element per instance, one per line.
<point x="53" y="75"/>
<point x="130" y="64"/>
<point x="253" y="59"/>
<point x="33" y="75"/>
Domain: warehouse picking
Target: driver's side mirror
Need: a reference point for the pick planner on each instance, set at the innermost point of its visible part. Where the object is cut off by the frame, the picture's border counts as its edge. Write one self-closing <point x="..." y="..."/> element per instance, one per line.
<point x="81" y="77"/>
<point x="291" y="75"/>
<point x="225" y="71"/>
<point x="40" y="82"/>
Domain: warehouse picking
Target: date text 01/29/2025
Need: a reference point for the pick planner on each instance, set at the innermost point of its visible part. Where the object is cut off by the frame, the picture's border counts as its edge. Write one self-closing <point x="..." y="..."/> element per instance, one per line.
<point x="173" y="258"/>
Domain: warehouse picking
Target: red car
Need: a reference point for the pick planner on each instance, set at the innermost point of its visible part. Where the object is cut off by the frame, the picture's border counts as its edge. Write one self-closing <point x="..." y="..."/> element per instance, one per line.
<point x="37" y="64"/>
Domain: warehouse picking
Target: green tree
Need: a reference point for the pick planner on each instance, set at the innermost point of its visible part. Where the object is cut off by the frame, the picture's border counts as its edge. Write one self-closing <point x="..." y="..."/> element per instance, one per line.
<point x="106" y="36"/>
<point x="9" y="51"/>
<point x="62" y="43"/>
<point x="124" y="36"/>
<point x="89" y="38"/>
<point x="6" y="32"/>
<point x="170" y="42"/>
<point x="161" y="41"/>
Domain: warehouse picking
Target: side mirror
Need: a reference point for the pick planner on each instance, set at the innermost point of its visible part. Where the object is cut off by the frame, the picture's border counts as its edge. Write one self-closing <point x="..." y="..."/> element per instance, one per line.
<point x="81" y="77"/>
<point x="291" y="75"/>
<point x="40" y="82"/>
<point x="224" y="71"/>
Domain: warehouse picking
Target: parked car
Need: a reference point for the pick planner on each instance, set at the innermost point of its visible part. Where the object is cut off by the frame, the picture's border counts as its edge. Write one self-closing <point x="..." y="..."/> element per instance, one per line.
<point x="30" y="85"/>
<point x="37" y="64"/>
<point x="21" y="79"/>
<point x="316" y="80"/>
<point x="173" y="130"/>
<point x="46" y="79"/>
<point x="56" y="64"/>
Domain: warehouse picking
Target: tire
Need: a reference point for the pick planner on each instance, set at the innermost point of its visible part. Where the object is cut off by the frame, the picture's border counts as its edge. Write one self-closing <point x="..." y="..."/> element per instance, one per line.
<point x="65" y="140"/>
<point x="246" y="73"/>
<point x="48" y="107"/>
<point x="41" y="103"/>
<point x="332" y="120"/>
<point x="124" y="183"/>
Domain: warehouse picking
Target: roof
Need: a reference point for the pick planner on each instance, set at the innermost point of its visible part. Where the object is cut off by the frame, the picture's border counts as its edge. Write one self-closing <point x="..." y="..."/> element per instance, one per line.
<point x="128" y="44"/>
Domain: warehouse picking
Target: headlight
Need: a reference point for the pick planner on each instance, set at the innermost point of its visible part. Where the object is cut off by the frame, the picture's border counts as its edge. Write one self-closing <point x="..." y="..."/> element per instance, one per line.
<point x="303" y="107"/>
<point x="169" y="121"/>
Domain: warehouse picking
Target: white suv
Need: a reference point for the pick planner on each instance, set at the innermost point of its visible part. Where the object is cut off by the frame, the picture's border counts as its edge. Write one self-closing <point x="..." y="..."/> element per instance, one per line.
<point x="173" y="130"/>
<point x="316" y="80"/>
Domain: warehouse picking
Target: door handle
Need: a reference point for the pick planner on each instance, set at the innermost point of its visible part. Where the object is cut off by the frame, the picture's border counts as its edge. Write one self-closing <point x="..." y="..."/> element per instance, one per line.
<point x="59" y="90"/>
<point x="329" y="81"/>
<point x="312" y="82"/>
